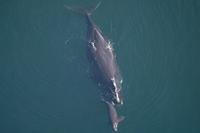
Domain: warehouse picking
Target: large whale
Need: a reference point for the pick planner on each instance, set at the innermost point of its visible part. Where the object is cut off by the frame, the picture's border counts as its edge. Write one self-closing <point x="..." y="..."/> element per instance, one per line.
<point x="114" y="118"/>
<point x="102" y="53"/>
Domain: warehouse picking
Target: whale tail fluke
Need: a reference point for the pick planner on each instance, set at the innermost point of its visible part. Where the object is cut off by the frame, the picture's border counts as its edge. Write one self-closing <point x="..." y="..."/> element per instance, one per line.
<point x="83" y="10"/>
<point x="121" y="118"/>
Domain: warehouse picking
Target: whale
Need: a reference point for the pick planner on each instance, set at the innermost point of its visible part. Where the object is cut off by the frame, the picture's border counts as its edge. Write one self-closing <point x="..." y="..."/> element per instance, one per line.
<point x="114" y="118"/>
<point x="103" y="57"/>
<point x="102" y="53"/>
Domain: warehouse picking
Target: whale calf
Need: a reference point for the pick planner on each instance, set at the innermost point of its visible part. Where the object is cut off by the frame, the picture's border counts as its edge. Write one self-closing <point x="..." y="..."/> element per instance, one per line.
<point x="114" y="118"/>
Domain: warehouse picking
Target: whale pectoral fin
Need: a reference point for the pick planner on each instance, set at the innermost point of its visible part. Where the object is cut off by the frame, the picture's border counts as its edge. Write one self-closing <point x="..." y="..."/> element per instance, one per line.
<point x="121" y="118"/>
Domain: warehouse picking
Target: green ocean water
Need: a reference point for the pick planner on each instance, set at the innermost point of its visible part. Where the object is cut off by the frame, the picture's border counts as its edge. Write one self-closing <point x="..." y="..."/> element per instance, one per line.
<point x="45" y="78"/>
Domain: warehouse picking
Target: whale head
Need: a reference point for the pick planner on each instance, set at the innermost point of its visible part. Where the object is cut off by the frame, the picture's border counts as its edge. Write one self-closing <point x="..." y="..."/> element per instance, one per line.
<point x="115" y="126"/>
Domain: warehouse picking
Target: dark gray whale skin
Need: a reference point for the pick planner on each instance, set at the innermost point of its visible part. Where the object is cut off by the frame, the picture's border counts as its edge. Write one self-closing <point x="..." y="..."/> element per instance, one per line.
<point x="102" y="53"/>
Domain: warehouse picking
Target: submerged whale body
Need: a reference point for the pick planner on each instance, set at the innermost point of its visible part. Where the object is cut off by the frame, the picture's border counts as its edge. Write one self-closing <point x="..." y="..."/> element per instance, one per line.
<point x="114" y="118"/>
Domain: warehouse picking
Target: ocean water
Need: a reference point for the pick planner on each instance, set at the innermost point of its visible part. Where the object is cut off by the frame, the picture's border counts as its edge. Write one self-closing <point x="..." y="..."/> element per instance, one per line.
<point x="45" y="79"/>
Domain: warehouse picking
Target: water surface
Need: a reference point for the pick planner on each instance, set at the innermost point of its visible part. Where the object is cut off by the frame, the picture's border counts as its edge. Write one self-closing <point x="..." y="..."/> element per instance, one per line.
<point x="45" y="82"/>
